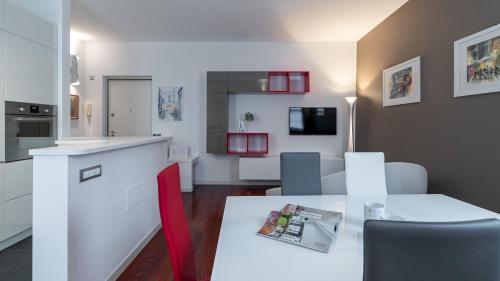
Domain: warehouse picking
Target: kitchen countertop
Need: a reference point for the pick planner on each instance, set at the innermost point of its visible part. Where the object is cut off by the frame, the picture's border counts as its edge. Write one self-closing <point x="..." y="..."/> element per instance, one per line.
<point x="82" y="146"/>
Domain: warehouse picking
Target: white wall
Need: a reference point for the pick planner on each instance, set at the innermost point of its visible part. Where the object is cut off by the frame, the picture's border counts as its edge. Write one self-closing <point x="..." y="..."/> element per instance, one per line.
<point x="332" y="67"/>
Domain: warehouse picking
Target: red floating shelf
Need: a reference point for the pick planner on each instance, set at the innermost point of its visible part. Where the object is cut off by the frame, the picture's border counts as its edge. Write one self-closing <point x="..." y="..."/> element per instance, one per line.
<point x="247" y="143"/>
<point x="288" y="81"/>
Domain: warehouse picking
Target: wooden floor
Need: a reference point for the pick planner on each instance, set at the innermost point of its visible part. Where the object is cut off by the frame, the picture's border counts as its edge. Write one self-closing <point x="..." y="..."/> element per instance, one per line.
<point x="204" y="209"/>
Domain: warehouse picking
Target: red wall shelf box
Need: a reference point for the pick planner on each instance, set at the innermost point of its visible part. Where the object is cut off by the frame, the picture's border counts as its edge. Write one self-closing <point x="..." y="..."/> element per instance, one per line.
<point x="247" y="143"/>
<point x="288" y="81"/>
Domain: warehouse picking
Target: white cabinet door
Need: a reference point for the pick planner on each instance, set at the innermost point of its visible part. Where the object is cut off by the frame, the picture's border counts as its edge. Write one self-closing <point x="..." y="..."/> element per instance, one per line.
<point x="2" y="95"/>
<point x="23" y="23"/>
<point x="2" y="14"/>
<point x="2" y="201"/>
<point x="30" y="71"/>
<point x="18" y="215"/>
<point x="18" y="179"/>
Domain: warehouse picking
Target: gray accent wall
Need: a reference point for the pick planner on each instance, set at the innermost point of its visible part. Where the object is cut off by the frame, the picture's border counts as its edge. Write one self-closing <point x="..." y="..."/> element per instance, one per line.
<point x="456" y="139"/>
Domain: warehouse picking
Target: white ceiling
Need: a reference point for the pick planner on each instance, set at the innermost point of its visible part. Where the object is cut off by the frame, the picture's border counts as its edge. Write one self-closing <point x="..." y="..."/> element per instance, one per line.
<point x="229" y="20"/>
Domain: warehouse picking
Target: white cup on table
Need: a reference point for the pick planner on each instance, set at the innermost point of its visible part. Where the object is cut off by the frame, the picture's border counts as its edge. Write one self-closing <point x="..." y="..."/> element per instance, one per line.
<point x="374" y="210"/>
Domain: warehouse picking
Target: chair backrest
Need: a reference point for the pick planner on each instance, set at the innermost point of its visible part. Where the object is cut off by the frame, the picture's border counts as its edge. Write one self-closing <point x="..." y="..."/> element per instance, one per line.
<point x="365" y="173"/>
<point x="175" y="224"/>
<point x="300" y="173"/>
<point x="405" y="178"/>
<point x="458" y="251"/>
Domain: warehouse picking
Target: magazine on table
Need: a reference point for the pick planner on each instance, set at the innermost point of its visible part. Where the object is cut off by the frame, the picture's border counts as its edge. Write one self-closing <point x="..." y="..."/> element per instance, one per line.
<point x="302" y="226"/>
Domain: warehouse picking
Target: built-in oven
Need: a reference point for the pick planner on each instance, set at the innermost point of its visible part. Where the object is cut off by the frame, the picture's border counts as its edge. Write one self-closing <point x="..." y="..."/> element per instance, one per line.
<point x="28" y="126"/>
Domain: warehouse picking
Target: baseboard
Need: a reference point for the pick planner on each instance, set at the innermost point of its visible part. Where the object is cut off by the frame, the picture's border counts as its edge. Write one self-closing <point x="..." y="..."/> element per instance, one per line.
<point x="16" y="238"/>
<point x="133" y="254"/>
<point x="255" y="183"/>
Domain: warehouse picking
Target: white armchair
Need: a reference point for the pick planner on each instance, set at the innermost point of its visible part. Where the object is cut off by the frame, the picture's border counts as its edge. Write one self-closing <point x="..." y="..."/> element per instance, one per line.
<point x="401" y="178"/>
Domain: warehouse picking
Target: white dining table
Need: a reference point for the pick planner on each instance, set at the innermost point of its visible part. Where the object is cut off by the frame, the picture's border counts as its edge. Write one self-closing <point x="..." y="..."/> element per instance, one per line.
<point x="244" y="256"/>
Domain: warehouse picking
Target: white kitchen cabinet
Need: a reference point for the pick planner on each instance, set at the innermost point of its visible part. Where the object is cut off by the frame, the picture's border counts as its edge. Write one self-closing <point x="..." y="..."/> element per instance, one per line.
<point x="2" y="95"/>
<point x="2" y="14"/>
<point x="23" y="23"/>
<point x="18" y="215"/>
<point x="2" y="201"/>
<point x="30" y="71"/>
<point x="18" y="179"/>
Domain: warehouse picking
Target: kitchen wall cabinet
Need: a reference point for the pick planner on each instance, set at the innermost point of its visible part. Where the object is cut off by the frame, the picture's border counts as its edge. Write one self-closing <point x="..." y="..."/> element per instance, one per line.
<point x="2" y="14"/>
<point x="18" y="215"/>
<point x="18" y="179"/>
<point x="247" y="82"/>
<point x="24" y="24"/>
<point x="2" y="96"/>
<point x="217" y="112"/>
<point x="30" y="71"/>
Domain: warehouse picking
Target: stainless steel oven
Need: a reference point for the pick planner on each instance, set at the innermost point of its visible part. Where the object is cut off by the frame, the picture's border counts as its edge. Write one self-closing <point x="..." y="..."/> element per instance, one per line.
<point x="28" y="126"/>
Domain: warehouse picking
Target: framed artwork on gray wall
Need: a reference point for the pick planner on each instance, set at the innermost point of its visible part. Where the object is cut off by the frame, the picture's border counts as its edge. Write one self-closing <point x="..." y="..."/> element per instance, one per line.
<point x="402" y="83"/>
<point x="477" y="63"/>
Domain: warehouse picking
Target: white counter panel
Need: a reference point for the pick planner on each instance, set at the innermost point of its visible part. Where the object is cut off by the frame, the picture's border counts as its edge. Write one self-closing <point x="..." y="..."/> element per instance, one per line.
<point x="94" y="227"/>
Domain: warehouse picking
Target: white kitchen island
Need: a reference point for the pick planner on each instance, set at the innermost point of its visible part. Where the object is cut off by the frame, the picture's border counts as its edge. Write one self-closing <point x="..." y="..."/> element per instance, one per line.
<point x="94" y="205"/>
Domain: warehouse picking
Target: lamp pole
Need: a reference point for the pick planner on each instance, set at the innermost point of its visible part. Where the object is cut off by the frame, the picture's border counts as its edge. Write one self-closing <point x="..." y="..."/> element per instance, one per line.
<point x="351" y="101"/>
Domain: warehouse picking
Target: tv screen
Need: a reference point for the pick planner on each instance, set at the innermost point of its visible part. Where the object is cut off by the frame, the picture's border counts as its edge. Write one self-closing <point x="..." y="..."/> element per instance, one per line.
<point x="313" y="121"/>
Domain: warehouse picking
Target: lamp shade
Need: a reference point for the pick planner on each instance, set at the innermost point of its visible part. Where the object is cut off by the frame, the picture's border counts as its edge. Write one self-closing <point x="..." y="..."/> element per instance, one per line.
<point x="350" y="100"/>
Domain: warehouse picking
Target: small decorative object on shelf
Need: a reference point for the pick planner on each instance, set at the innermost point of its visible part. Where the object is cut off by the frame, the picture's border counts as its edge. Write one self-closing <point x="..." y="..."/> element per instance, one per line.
<point x="247" y="143"/>
<point x="249" y="117"/>
<point x="242" y="124"/>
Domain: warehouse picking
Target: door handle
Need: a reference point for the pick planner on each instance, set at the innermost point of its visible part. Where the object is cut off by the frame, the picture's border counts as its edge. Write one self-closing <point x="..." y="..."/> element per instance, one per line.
<point x="113" y="132"/>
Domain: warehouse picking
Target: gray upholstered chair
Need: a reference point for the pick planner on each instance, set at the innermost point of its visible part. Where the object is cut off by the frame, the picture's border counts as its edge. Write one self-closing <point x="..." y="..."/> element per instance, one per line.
<point x="300" y="173"/>
<point x="417" y="251"/>
<point x="401" y="178"/>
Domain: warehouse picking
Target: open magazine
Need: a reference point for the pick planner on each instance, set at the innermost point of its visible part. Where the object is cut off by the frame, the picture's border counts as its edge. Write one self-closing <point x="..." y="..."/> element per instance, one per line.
<point x="302" y="226"/>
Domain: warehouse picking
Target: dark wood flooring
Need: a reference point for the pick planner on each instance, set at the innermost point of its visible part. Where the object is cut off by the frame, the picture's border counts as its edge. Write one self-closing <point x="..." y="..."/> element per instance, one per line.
<point x="204" y="208"/>
<point x="15" y="261"/>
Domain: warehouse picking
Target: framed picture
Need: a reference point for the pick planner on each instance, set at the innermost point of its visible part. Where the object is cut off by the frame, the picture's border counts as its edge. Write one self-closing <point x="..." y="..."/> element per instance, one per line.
<point x="402" y="83"/>
<point x="170" y="103"/>
<point x="477" y="63"/>
<point x="74" y="106"/>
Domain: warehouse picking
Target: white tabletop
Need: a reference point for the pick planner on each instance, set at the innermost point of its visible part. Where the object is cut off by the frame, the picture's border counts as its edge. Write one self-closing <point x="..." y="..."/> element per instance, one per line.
<point x="243" y="255"/>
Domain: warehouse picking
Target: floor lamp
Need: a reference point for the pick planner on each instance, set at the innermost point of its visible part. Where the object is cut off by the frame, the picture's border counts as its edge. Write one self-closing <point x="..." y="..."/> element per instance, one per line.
<point x="351" y="101"/>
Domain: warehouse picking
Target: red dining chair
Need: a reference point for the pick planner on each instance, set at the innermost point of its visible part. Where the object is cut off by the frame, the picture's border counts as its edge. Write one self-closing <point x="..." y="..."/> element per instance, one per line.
<point x="175" y="225"/>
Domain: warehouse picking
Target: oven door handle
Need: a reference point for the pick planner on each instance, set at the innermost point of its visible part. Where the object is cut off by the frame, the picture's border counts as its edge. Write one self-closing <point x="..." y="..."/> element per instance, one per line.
<point x="48" y="118"/>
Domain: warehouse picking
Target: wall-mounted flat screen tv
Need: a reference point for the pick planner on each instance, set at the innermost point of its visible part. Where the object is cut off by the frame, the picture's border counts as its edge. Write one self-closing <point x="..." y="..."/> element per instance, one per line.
<point x="313" y="121"/>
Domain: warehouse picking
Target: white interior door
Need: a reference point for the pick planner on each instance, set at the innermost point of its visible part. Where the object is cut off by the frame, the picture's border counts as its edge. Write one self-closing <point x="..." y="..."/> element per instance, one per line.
<point x="129" y="108"/>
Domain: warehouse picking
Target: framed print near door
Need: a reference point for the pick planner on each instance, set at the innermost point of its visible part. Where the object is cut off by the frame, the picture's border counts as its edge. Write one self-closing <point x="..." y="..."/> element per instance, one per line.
<point x="74" y="106"/>
<point x="477" y="63"/>
<point x="402" y="83"/>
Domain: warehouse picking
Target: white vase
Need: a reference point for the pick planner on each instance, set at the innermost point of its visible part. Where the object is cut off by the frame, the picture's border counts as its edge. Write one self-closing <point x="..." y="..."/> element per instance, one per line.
<point x="242" y="126"/>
